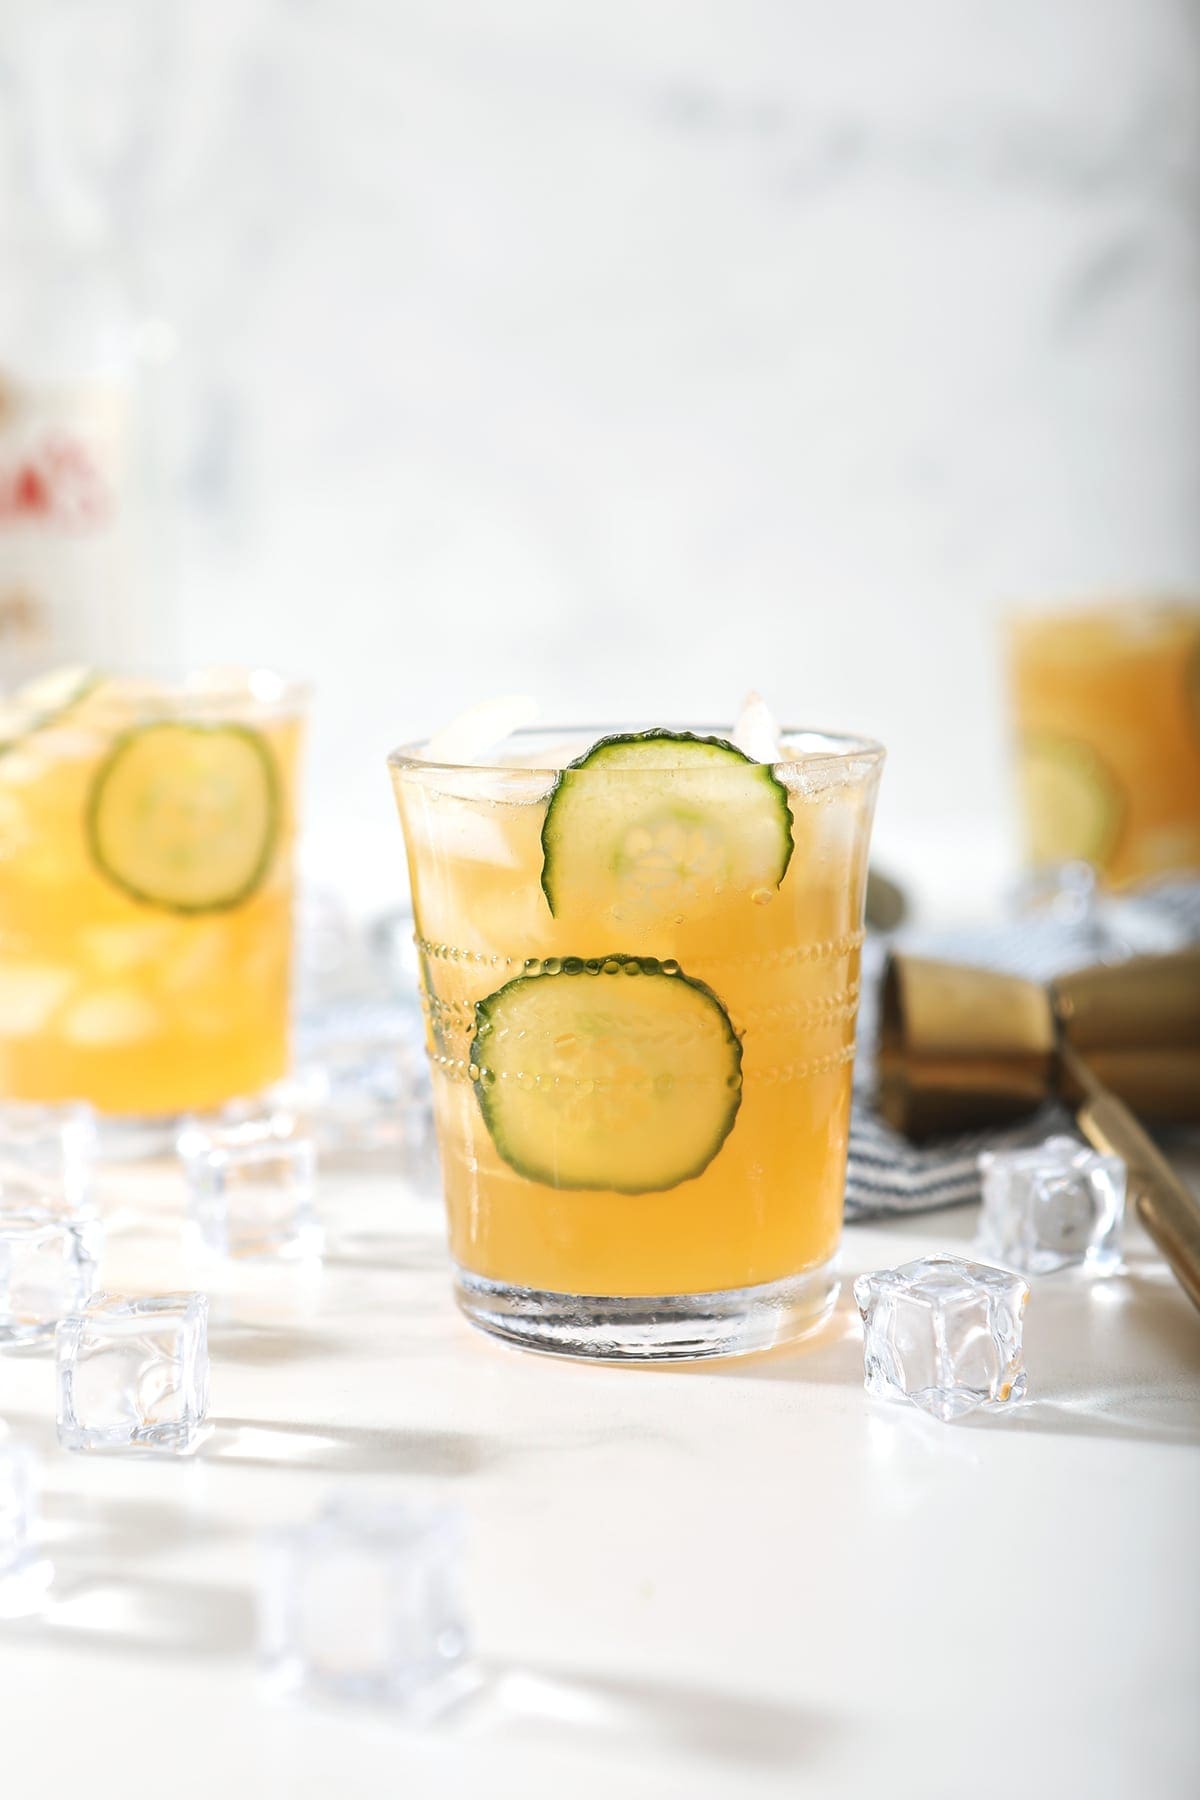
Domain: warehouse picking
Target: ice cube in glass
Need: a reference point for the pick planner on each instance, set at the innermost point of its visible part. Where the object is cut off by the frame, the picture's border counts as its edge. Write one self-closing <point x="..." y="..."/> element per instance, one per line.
<point x="943" y="1333"/>
<point x="363" y="1603"/>
<point x="133" y="1373"/>
<point x="47" y="1270"/>
<point x="1047" y="1207"/>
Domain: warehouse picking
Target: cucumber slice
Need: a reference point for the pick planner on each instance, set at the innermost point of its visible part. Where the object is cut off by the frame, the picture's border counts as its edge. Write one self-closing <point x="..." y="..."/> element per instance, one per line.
<point x="185" y="817"/>
<point x="1074" y="805"/>
<point x="661" y="823"/>
<point x="618" y="1072"/>
<point x="41" y="703"/>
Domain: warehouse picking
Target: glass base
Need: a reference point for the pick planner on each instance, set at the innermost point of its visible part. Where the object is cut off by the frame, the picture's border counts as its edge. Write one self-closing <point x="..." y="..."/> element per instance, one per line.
<point x="651" y="1328"/>
<point x="128" y="1138"/>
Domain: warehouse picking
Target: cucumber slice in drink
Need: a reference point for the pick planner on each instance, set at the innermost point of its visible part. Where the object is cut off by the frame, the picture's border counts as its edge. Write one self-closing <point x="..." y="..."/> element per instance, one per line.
<point x="618" y="1073"/>
<point x="659" y="823"/>
<point x="185" y="817"/>
<point x="1073" y="803"/>
<point x="41" y="703"/>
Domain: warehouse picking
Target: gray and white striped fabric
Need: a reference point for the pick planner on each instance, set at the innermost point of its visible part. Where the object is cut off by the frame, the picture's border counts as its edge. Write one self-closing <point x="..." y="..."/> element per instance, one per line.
<point x="885" y="1173"/>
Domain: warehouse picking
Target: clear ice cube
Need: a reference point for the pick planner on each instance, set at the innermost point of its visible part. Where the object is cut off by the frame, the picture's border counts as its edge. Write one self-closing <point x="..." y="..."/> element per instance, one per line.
<point x="363" y="1603"/>
<point x="24" y="1571"/>
<point x="362" y="1094"/>
<point x="57" y="1144"/>
<point x="757" y="732"/>
<point x="47" y="1270"/>
<point x="16" y="1506"/>
<point x="469" y="736"/>
<point x="943" y="1333"/>
<point x="251" y="1188"/>
<point x="133" y="1373"/>
<point x="325" y="942"/>
<point x="1056" y="1204"/>
<point x="30" y="993"/>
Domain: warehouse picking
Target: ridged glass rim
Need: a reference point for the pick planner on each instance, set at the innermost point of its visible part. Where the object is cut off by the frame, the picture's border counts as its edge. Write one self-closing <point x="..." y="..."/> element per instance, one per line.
<point x="1103" y="607"/>
<point x="835" y="748"/>
<point x="224" y="691"/>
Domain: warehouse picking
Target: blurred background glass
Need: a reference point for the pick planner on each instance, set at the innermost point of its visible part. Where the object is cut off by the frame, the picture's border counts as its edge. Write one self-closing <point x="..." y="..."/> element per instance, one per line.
<point x="629" y="356"/>
<point x="1106" y="701"/>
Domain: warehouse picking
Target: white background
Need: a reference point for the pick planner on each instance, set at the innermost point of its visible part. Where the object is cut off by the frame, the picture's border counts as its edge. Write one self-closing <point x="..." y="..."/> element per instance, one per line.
<point x="635" y="354"/>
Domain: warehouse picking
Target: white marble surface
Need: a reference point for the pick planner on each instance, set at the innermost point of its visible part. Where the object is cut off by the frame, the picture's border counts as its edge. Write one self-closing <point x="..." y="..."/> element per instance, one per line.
<point x="726" y="1581"/>
<point x="634" y="354"/>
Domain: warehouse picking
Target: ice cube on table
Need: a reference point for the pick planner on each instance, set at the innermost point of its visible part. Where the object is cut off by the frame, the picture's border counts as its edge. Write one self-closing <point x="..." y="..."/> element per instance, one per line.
<point x="362" y="1094"/>
<point x="943" y="1333"/>
<point x="360" y="1085"/>
<point x="133" y="1373"/>
<point x="251" y="1188"/>
<point x="363" y="1603"/>
<point x="47" y="1270"/>
<point x="57" y="1144"/>
<point x="24" y="1571"/>
<point x="326" y="939"/>
<point x="25" y="1191"/>
<point x="392" y="953"/>
<point x="1047" y="1207"/>
<point x="16" y="1506"/>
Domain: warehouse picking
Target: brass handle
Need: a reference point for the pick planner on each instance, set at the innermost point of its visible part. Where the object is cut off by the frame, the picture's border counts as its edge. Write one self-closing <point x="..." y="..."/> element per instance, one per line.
<point x="1166" y="1206"/>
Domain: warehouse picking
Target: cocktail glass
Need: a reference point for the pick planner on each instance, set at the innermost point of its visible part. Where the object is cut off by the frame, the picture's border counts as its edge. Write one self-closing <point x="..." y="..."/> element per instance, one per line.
<point x="640" y="979"/>
<point x="1106" y="704"/>
<point x="146" y="838"/>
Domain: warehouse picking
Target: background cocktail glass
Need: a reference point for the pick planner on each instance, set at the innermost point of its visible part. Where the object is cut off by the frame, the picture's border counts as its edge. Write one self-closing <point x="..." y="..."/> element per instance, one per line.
<point x="608" y="1259"/>
<point x="146" y="836"/>
<point x="1106" y="708"/>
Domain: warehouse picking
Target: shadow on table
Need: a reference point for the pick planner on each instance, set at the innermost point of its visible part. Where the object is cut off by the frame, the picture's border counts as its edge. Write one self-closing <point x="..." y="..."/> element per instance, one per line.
<point x="1125" y="1349"/>
<point x="407" y="1252"/>
<point x="640" y="1713"/>
<point x="1098" y="1413"/>
<point x="831" y="1357"/>
<point x="81" y="1528"/>
<point x="346" y="1449"/>
<point x="38" y="1430"/>
<point x="1145" y="1391"/>
<point x="138" y="1614"/>
<point x="253" y="1344"/>
<point x="103" y="1597"/>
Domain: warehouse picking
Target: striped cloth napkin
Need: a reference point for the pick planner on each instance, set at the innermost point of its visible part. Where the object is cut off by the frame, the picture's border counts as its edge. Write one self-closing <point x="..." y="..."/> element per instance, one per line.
<point x="885" y="1173"/>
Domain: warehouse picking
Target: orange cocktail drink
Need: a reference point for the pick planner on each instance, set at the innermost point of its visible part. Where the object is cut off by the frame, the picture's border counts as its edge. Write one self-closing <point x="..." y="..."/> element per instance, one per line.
<point x="1107" y="710"/>
<point x="146" y="889"/>
<point x="640" y="969"/>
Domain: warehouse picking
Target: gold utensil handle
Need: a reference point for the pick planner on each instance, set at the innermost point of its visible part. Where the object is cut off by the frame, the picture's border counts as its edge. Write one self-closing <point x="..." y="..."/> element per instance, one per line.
<point x="1165" y="1204"/>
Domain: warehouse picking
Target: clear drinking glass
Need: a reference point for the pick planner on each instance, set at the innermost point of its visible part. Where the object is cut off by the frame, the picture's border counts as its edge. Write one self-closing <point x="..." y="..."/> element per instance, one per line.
<point x="640" y="980"/>
<point x="1106" y="708"/>
<point x="146" y="889"/>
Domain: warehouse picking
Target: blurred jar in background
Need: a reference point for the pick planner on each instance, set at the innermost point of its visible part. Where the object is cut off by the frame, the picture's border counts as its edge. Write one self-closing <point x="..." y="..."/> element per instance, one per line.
<point x="86" y="367"/>
<point x="81" y="564"/>
<point x="1106" y="702"/>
